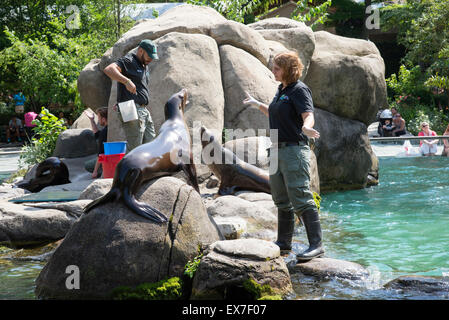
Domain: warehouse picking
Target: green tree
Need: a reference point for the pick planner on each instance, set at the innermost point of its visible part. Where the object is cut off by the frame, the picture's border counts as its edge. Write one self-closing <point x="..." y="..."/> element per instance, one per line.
<point x="421" y="87"/>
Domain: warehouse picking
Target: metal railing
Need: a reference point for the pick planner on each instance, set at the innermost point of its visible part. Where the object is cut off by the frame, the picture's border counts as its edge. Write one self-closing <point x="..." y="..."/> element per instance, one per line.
<point x="403" y="138"/>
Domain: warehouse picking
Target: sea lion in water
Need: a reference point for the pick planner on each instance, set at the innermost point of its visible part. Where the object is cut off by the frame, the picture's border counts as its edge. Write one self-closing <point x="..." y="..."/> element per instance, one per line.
<point x="50" y="172"/>
<point x="168" y="153"/>
<point x="234" y="173"/>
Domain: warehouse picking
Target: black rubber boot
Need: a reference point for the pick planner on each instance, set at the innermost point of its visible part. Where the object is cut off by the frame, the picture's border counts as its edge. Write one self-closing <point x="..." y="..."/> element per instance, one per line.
<point x="311" y="221"/>
<point x="286" y="225"/>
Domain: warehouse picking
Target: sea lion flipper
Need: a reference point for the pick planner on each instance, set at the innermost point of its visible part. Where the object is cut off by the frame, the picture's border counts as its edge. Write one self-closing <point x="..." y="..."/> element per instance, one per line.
<point x="113" y="194"/>
<point x="143" y="209"/>
<point x="226" y="191"/>
<point x="190" y="171"/>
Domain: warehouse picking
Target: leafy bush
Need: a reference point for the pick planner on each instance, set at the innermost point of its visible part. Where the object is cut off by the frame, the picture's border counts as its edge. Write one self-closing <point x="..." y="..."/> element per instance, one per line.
<point x="167" y="289"/>
<point x="47" y="131"/>
<point x="192" y="265"/>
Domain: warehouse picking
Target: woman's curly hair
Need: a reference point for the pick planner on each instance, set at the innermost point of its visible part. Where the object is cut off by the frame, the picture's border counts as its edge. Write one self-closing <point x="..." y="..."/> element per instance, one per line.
<point x="290" y="64"/>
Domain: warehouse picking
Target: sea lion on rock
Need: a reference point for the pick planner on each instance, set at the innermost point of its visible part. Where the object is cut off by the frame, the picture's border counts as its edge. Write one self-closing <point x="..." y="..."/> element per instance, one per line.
<point x="234" y="173"/>
<point x="168" y="153"/>
<point x="50" y="172"/>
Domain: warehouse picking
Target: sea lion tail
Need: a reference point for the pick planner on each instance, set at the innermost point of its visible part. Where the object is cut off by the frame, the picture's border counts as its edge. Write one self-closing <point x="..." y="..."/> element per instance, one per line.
<point x="137" y="207"/>
<point x="112" y="195"/>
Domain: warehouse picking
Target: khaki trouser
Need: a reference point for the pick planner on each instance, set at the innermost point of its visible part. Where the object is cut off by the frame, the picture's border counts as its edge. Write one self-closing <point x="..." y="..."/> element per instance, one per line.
<point x="139" y="131"/>
<point x="290" y="184"/>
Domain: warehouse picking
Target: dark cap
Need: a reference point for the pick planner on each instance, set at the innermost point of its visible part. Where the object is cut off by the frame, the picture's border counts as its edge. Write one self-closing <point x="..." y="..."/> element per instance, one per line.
<point x="150" y="48"/>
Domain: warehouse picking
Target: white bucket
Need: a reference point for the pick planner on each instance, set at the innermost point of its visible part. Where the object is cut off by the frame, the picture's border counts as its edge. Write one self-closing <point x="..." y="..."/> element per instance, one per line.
<point x="128" y="110"/>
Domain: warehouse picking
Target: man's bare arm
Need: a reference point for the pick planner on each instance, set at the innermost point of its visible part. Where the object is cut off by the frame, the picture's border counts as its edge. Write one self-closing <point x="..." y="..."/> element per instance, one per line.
<point x="114" y="72"/>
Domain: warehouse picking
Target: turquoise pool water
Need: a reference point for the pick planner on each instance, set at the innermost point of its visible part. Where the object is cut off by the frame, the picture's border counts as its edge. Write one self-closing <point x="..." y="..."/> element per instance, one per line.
<point x="400" y="227"/>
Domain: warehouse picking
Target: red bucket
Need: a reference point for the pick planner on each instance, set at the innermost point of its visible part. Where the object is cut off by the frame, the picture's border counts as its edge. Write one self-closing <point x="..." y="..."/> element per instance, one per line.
<point x="109" y="162"/>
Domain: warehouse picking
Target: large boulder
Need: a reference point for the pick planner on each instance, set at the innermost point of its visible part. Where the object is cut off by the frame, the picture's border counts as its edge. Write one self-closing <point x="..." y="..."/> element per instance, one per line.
<point x="225" y="268"/>
<point x="190" y="19"/>
<point x="276" y="24"/>
<point x="343" y="152"/>
<point x="239" y="70"/>
<point x="347" y="77"/>
<point x="190" y="61"/>
<point x="75" y="143"/>
<point x="245" y="218"/>
<point x="23" y="226"/>
<point x="422" y="284"/>
<point x="112" y="246"/>
<point x="328" y="267"/>
<point x="94" y="86"/>
<point x="300" y="39"/>
<point x="83" y="122"/>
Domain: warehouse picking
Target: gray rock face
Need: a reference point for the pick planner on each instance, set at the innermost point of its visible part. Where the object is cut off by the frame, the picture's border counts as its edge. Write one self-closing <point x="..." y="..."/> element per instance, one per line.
<point x="229" y="263"/>
<point x="83" y="122"/>
<point x="75" y="143"/>
<point x="300" y="39"/>
<point x="72" y="208"/>
<point x="94" y="85"/>
<point x="96" y="189"/>
<point x="249" y="217"/>
<point x="239" y="69"/>
<point x="189" y="61"/>
<point x="327" y="267"/>
<point x="22" y="225"/>
<point x="425" y="284"/>
<point x="8" y="191"/>
<point x="343" y="162"/>
<point x="347" y="77"/>
<point x="276" y="24"/>
<point x="113" y="246"/>
<point x="218" y="60"/>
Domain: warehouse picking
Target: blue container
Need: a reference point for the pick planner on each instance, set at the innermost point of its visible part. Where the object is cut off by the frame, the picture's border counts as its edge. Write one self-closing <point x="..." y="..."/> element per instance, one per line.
<point x="114" y="147"/>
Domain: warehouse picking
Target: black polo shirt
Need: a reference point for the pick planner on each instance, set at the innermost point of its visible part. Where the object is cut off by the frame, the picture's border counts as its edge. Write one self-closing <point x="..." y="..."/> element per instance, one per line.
<point x="101" y="136"/>
<point x="133" y="69"/>
<point x="286" y="108"/>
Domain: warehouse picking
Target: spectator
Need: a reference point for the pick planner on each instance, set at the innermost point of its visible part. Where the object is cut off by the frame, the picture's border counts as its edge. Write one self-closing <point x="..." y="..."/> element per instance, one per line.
<point x="19" y="100"/>
<point x="387" y="129"/>
<point x="15" y="129"/>
<point x="101" y="135"/>
<point x="445" y="152"/>
<point x="427" y="147"/>
<point x="399" y="125"/>
<point x="29" y="117"/>
<point x="61" y="117"/>
<point x="394" y="111"/>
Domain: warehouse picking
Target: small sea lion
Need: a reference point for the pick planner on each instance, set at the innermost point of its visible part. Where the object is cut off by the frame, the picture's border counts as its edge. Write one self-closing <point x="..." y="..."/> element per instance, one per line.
<point x="169" y="152"/>
<point x="234" y="173"/>
<point x="50" y="172"/>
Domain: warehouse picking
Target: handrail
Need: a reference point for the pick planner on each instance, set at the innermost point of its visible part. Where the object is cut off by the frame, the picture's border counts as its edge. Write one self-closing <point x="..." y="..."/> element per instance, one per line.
<point x="402" y="138"/>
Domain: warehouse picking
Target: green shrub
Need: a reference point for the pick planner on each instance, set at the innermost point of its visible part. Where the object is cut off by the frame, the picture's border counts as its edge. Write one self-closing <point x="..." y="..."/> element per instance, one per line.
<point x="47" y="130"/>
<point x="192" y="265"/>
<point x="167" y="289"/>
